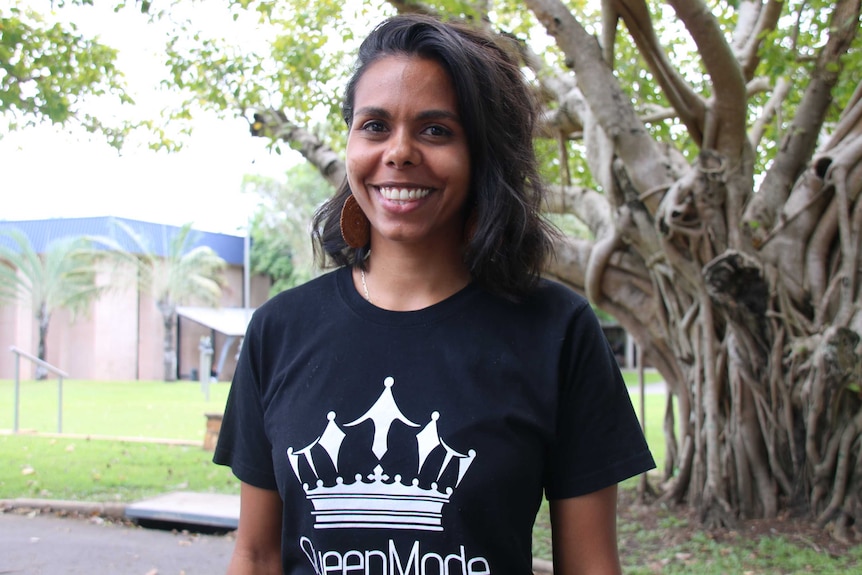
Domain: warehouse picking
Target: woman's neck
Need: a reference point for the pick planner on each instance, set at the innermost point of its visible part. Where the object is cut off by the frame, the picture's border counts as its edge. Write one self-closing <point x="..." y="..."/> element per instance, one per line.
<point x="404" y="280"/>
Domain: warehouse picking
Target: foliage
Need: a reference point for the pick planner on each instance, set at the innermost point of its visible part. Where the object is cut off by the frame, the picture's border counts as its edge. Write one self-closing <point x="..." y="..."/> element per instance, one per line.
<point x="281" y="245"/>
<point x="180" y="273"/>
<point x="296" y="64"/>
<point x="48" y="70"/>
<point x="63" y="277"/>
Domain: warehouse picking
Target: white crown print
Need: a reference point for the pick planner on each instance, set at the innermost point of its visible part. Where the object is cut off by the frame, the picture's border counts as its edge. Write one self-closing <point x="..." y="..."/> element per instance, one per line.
<point x="376" y="500"/>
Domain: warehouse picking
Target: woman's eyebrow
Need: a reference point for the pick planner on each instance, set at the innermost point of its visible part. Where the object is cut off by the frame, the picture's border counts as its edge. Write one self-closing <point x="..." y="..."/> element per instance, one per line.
<point x="372" y="111"/>
<point x="438" y="115"/>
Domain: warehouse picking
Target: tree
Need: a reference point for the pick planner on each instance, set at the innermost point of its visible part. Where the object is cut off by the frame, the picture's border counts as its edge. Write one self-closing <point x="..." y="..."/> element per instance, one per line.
<point x="179" y="273"/>
<point x="713" y="152"/>
<point x="281" y="246"/>
<point x="722" y="206"/>
<point x="62" y="277"/>
<point x="48" y="70"/>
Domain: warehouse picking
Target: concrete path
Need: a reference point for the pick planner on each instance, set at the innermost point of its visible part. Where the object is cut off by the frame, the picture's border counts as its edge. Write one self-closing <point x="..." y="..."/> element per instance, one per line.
<point x="205" y="509"/>
<point x="46" y="544"/>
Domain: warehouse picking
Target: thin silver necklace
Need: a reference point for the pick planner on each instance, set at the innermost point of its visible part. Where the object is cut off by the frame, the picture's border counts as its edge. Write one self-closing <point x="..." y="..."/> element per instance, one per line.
<point x="364" y="285"/>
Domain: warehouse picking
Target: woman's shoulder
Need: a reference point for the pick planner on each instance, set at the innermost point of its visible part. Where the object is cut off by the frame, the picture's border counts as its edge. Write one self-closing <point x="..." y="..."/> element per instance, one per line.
<point x="319" y="291"/>
<point x="548" y="307"/>
<point x="556" y="296"/>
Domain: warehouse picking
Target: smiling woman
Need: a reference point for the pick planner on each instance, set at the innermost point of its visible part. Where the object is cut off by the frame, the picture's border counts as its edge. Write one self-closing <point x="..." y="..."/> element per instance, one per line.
<point x="414" y="405"/>
<point x="408" y="166"/>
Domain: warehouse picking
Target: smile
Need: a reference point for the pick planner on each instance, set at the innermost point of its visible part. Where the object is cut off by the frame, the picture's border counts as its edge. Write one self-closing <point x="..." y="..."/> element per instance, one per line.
<point x="402" y="194"/>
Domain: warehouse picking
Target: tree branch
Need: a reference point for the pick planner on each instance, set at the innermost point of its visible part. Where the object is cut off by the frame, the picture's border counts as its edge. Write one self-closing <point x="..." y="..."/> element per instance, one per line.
<point x="801" y="139"/>
<point x="587" y="205"/>
<point x="728" y="84"/>
<point x="750" y="38"/>
<point x="611" y="107"/>
<point x="782" y="88"/>
<point x="274" y="124"/>
<point x="688" y="104"/>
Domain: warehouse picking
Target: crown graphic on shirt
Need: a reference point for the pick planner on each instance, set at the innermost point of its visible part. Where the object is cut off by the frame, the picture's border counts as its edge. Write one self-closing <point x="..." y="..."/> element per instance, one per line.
<point x="378" y="499"/>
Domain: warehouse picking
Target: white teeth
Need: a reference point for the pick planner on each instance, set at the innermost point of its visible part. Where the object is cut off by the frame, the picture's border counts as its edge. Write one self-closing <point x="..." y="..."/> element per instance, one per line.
<point x="404" y="194"/>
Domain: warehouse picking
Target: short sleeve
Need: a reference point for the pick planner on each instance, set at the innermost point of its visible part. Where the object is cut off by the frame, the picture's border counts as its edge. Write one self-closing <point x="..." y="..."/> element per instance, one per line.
<point x="598" y="440"/>
<point x="243" y="444"/>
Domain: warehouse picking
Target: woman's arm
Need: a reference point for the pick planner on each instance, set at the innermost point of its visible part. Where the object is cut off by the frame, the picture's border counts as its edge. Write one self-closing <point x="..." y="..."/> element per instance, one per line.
<point x="585" y="534"/>
<point x="258" y="538"/>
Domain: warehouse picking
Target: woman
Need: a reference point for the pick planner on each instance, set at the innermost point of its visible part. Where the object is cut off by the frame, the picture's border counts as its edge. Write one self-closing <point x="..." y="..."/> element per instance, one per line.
<point x="406" y="412"/>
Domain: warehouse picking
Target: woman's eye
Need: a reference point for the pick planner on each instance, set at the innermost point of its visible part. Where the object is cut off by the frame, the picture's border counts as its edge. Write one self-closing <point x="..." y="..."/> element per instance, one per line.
<point x="437" y="131"/>
<point x="373" y="126"/>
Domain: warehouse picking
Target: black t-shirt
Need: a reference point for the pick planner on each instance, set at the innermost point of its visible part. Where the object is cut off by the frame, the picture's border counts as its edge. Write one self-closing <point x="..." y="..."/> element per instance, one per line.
<point x="421" y="442"/>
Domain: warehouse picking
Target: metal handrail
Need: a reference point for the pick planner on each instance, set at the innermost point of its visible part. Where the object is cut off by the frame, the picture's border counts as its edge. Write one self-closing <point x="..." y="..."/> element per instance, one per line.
<point x="60" y="375"/>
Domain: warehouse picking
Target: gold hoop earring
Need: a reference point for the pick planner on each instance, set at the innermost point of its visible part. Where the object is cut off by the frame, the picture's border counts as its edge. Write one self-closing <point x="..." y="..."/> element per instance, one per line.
<point x="355" y="227"/>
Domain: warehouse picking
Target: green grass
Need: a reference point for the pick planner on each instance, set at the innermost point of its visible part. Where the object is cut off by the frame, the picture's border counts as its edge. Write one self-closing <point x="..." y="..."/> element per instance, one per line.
<point x="650" y="376"/>
<point x="129" y="409"/>
<point x="77" y="468"/>
<point x="105" y="471"/>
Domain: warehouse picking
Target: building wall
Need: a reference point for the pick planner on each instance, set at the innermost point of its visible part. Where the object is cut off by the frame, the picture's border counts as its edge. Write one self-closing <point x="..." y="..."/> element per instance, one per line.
<point x="150" y="326"/>
<point x="115" y="327"/>
<point x="121" y="336"/>
<point x="16" y="327"/>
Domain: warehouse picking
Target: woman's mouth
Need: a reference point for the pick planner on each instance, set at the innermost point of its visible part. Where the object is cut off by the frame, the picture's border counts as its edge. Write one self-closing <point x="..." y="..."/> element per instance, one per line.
<point x="403" y="194"/>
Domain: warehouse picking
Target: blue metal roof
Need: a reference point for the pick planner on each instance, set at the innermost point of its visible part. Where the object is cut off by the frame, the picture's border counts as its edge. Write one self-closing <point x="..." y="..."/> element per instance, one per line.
<point x="156" y="237"/>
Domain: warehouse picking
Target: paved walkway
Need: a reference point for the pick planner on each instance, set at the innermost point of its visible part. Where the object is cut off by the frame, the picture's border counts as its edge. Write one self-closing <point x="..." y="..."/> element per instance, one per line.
<point x="37" y="543"/>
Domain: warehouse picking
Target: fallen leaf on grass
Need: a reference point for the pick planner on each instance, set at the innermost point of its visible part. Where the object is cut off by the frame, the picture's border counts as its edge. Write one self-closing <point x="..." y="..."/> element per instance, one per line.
<point x="27" y="470"/>
<point x="70" y="448"/>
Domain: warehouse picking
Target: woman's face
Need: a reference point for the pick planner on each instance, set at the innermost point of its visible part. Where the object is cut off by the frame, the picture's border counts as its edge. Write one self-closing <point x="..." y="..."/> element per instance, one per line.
<point x="408" y="163"/>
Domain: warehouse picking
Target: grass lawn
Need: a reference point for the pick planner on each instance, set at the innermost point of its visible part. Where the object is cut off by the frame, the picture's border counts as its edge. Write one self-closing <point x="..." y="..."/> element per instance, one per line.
<point x="78" y="468"/>
<point x="650" y="376"/>
<point x="129" y="409"/>
<point x="105" y="471"/>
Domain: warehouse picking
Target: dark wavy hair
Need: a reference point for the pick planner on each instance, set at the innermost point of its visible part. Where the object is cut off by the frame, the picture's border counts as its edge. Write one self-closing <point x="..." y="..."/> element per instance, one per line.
<point x="511" y="239"/>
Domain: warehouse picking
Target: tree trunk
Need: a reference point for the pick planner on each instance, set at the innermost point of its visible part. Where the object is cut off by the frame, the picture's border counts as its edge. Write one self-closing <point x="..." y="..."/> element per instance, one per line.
<point x="43" y="318"/>
<point x="169" y="319"/>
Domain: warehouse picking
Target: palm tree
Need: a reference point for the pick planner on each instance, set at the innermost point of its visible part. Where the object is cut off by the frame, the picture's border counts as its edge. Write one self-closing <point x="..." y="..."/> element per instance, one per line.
<point x="63" y="276"/>
<point x="181" y="275"/>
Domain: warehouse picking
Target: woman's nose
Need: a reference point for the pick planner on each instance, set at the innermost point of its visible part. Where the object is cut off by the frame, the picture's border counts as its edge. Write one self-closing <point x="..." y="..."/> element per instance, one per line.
<point x="401" y="150"/>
